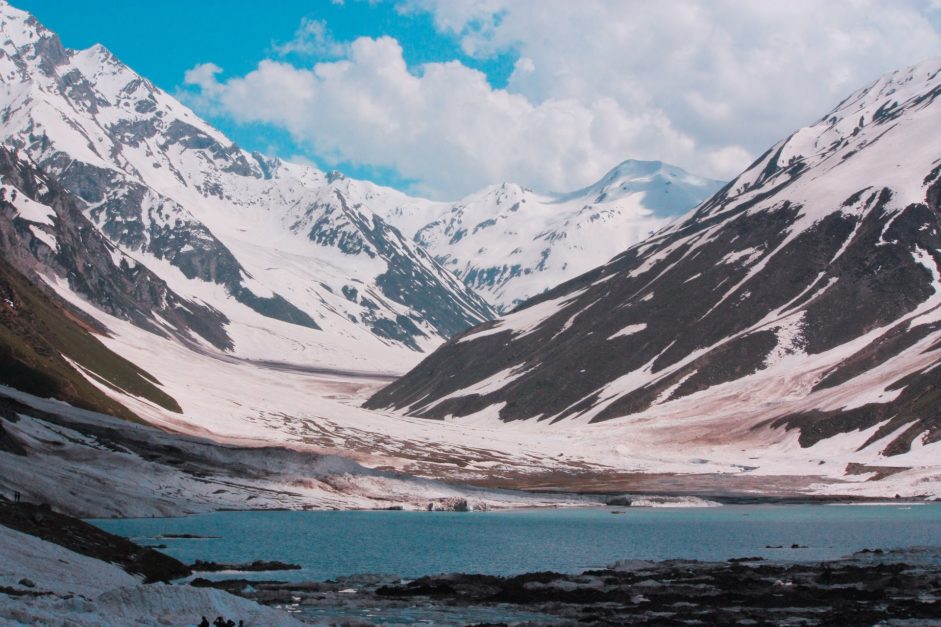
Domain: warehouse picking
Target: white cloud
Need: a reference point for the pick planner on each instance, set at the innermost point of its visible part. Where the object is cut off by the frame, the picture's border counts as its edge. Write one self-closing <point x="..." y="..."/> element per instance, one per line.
<point x="204" y="77"/>
<point x="444" y="127"/>
<point x="727" y="159"/>
<point x="705" y="85"/>
<point x="311" y="39"/>
<point x="724" y="71"/>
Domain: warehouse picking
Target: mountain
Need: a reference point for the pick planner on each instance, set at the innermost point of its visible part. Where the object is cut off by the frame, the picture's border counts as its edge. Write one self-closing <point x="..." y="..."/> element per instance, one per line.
<point x="509" y="243"/>
<point x="282" y="261"/>
<point x="241" y="253"/>
<point x="797" y="308"/>
<point x="787" y="327"/>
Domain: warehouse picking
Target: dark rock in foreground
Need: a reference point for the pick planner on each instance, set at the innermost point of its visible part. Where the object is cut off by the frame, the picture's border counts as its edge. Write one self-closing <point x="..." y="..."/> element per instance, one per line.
<point x="871" y="587"/>
<point x="856" y="591"/>
<point x="256" y="566"/>
<point x="81" y="537"/>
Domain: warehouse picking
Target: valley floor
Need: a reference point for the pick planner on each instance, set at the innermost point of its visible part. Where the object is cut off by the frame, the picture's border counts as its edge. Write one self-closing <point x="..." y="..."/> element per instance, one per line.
<point x="90" y="465"/>
<point x="295" y="436"/>
<point x="714" y="444"/>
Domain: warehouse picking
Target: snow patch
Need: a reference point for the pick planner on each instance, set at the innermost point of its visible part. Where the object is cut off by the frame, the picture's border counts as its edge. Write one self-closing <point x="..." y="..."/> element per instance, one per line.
<point x="26" y="207"/>
<point x="630" y="329"/>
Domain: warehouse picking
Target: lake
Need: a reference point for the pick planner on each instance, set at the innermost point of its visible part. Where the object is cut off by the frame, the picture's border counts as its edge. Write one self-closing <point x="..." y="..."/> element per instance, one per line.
<point x="330" y="544"/>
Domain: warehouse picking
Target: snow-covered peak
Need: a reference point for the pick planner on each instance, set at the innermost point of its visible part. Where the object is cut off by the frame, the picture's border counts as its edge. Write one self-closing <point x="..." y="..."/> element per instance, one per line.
<point x="878" y="133"/>
<point x="511" y="243"/>
<point x="898" y="86"/>
<point x="498" y="195"/>
<point x="626" y="172"/>
<point x="20" y="29"/>
<point x="26" y="46"/>
<point x="667" y="189"/>
<point x="903" y="93"/>
<point x="107" y="73"/>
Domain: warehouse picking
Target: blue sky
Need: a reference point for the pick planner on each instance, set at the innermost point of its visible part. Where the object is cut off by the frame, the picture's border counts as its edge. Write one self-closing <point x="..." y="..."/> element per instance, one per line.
<point x="443" y="97"/>
<point x="163" y="39"/>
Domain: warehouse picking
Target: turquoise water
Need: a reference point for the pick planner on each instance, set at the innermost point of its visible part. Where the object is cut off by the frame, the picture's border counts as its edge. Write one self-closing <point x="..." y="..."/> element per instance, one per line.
<point x="409" y="544"/>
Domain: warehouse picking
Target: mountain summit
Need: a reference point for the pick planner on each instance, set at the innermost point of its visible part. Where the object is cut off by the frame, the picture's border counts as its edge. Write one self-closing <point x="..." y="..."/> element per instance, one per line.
<point x="510" y="243"/>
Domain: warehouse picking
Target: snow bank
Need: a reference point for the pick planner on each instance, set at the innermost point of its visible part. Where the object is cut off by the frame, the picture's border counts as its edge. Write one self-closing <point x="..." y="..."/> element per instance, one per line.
<point x="53" y="568"/>
<point x="176" y="605"/>
<point x="628" y="500"/>
<point x="61" y="587"/>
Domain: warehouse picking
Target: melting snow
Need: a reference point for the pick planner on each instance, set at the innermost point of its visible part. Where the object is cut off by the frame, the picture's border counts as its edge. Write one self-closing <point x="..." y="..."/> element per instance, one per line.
<point x="630" y="329"/>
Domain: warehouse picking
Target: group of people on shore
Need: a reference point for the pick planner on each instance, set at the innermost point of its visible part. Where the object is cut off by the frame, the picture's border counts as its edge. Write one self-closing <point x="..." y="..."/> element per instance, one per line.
<point x="220" y="622"/>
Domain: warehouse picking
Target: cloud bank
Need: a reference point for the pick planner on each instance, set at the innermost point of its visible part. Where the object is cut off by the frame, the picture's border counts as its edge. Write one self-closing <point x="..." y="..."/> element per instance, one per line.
<point x="704" y="85"/>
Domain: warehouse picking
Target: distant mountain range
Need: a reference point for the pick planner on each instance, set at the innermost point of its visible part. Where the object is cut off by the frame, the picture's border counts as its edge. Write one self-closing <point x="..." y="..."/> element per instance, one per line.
<point x="510" y="243"/>
<point x="804" y="298"/>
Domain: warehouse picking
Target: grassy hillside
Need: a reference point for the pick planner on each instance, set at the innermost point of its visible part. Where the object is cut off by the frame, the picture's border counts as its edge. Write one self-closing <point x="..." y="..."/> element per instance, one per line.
<point x="35" y="333"/>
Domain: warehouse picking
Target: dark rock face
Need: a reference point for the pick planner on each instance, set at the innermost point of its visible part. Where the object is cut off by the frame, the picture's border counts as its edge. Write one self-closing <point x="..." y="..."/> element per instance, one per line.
<point x="256" y="566"/>
<point x="412" y="277"/>
<point x="916" y="408"/>
<point x="86" y="260"/>
<point x="804" y="253"/>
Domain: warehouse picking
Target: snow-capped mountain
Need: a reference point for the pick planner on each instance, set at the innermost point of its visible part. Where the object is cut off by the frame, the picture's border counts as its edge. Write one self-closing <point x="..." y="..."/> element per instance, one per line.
<point x="798" y="303"/>
<point x="801" y="302"/>
<point x="272" y="260"/>
<point x="510" y="243"/>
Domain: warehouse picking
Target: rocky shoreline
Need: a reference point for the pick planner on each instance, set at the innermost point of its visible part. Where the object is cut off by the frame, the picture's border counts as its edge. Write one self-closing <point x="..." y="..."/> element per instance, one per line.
<point x="871" y="587"/>
<point x="58" y="570"/>
<point x="257" y="566"/>
<point x="874" y="586"/>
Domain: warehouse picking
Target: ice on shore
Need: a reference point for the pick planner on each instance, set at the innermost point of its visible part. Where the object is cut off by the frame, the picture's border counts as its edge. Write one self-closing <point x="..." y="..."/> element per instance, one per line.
<point x="55" y="586"/>
<point x="630" y="500"/>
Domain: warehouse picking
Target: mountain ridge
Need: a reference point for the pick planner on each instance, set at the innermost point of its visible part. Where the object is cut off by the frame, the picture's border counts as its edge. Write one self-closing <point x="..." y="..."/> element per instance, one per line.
<point x="828" y="242"/>
<point x="510" y="243"/>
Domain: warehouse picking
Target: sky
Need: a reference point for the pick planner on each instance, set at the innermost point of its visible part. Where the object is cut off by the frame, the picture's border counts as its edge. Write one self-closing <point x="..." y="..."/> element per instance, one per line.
<point x="444" y="97"/>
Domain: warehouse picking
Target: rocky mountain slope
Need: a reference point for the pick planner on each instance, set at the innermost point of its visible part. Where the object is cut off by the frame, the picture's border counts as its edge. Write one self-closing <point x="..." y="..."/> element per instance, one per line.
<point x="799" y="306"/>
<point x="264" y="258"/>
<point x="510" y="243"/>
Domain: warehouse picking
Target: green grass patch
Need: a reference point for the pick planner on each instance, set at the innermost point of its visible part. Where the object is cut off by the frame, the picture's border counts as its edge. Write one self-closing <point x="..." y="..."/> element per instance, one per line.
<point x="34" y="334"/>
